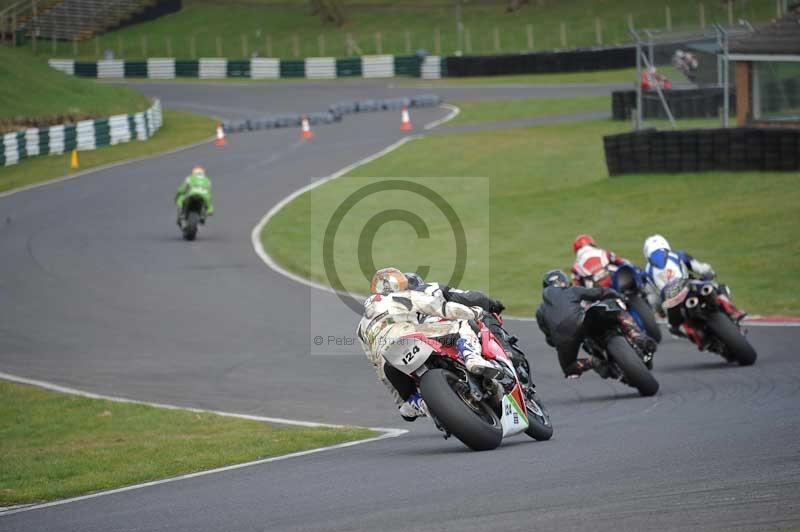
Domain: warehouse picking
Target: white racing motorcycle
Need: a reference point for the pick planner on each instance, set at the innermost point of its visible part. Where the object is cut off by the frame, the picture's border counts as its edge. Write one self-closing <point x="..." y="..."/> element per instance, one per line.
<point x="477" y="410"/>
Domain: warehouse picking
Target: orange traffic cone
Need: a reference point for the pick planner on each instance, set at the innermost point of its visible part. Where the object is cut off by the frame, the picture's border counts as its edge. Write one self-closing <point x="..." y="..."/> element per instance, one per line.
<point x="405" y="121"/>
<point x="307" y="133"/>
<point x="73" y="160"/>
<point x="220" y="136"/>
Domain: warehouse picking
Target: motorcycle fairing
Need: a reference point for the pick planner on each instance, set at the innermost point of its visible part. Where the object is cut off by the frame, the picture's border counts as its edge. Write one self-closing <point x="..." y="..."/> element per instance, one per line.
<point x="409" y="352"/>
<point x="515" y="416"/>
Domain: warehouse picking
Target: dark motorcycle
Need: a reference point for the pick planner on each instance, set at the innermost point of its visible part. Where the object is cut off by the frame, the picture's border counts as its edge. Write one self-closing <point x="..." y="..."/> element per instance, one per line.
<point x="627" y="280"/>
<point x="193" y="214"/>
<point x="604" y="339"/>
<point x="696" y="300"/>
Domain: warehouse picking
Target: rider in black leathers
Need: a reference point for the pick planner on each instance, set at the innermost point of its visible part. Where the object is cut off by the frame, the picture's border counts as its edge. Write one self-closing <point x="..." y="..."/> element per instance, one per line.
<point x="560" y="317"/>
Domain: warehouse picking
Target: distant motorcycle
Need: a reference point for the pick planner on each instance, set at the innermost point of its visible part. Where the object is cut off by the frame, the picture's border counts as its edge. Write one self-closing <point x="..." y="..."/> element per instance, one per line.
<point x="627" y="280"/>
<point x="697" y="302"/>
<point x="479" y="411"/>
<point x="193" y="213"/>
<point x="604" y="339"/>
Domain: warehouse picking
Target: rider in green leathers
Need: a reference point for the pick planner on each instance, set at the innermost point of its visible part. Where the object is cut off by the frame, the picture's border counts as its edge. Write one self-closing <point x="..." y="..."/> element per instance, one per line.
<point x="196" y="184"/>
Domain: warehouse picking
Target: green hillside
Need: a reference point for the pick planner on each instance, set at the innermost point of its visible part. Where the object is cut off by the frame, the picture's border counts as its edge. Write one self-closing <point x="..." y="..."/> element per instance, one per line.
<point x="288" y="29"/>
<point x="33" y="94"/>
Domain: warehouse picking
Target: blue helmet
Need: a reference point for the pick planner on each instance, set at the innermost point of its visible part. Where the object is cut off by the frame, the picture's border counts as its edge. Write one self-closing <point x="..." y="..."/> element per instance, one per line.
<point x="415" y="282"/>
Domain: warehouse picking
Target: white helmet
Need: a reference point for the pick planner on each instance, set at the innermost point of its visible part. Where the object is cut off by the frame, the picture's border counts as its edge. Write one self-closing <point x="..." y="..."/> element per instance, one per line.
<point x="654" y="243"/>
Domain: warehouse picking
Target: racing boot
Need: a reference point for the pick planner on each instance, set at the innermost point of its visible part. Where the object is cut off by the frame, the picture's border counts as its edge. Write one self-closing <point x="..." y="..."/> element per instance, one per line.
<point x="475" y="363"/>
<point x="413" y="408"/>
<point x="582" y="365"/>
<point x="730" y="309"/>
<point x="696" y="336"/>
<point x="636" y="335"/>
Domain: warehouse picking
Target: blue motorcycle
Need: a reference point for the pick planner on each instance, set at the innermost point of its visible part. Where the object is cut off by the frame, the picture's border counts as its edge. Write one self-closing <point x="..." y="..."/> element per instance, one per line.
<point x="628" y="281"/>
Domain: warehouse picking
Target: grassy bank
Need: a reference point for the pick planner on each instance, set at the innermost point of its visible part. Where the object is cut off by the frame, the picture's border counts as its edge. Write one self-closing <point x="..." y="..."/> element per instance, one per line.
<point x="482" y="111"/>
<point x="179" y="129"/>
<point x="33" y="94"/>
<point x="54" y="446"/>
<point x="547" y="184"/>
<point x="279" y="29"/>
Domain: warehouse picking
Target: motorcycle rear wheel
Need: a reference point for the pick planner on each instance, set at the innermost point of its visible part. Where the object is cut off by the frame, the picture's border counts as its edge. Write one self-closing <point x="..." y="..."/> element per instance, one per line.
<point x="478" y="428"/>
<point x="736" y="344"/>
<point x="636" y="373"/>
<point x="190" y="225"/>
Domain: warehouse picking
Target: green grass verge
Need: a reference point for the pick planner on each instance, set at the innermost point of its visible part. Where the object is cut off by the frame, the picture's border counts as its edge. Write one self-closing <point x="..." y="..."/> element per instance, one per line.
<point x="282" y="23"/>
<point x="548" y="184"/>
<point x="483" y="111"/>
<point x="54" y="446"/>
<point x="31" y="90"/>
<point x="624" y="75"/>
<point x="179" y="129"/>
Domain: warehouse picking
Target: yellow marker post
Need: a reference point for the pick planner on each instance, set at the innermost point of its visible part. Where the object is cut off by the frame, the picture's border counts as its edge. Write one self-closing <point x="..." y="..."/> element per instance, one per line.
<point x="73" y="161"/>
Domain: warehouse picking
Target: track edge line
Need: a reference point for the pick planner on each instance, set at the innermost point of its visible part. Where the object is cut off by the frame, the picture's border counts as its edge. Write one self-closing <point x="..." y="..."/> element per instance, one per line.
<point x="386" y="433"/>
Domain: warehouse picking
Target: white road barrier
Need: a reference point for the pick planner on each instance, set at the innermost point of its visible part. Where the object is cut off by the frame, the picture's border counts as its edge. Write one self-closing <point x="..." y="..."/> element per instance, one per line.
<point x="377" y="66"/>
<point x="85" y="135"/>
<point x="111" y="68"/>
<point x="321" y="67"/>
<point x="265" y="68"/>
<point x="431" y="67"/>
<point x="160" y="68"/>
<point x="64" y="65"/>
<point x="213" y="68"/>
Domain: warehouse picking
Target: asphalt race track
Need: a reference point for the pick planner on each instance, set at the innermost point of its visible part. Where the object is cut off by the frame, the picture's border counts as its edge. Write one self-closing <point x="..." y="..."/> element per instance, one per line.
<point x="98" y="292"/>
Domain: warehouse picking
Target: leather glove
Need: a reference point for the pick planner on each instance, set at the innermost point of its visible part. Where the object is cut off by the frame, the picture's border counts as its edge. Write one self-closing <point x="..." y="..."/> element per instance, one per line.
<point x="710" y="275"/>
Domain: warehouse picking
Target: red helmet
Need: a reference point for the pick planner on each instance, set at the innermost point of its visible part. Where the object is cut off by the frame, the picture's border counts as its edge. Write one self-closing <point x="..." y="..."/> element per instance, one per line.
<point x="582" y="240"/>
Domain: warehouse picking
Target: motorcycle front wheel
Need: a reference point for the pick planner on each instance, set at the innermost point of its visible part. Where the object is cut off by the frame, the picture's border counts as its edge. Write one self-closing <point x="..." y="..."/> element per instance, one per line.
<point x="736" y="344"/>
<point x="540" y="427"/>
<point x="475" y="425"/>
<point x="636" y="373"/>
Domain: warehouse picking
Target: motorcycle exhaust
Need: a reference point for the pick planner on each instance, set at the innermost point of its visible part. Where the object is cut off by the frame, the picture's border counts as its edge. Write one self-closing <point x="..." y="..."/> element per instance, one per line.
<point x="709" y="294"/>
<point x="692" y="302"/>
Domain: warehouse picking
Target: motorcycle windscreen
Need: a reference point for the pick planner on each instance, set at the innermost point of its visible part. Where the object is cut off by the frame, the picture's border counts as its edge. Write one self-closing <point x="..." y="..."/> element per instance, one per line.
<point x="515" y="418"/>
<point x="674" y="293"/>
<point x="407" y="353"/>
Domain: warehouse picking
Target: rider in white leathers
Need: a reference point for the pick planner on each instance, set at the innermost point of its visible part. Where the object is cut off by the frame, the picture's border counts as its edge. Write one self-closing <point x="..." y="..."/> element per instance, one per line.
<point x="665" y="266"/>
<point x="393" y="312"/>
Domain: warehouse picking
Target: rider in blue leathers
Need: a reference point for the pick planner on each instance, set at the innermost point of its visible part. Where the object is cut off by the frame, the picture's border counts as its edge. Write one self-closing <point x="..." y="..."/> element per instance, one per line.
<point x="665" y="266"/>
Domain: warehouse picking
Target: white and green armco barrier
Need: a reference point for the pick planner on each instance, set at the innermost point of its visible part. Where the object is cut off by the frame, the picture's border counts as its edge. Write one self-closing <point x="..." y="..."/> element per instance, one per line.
<point x="84" y="135"/>
<point x="368" y="66"/>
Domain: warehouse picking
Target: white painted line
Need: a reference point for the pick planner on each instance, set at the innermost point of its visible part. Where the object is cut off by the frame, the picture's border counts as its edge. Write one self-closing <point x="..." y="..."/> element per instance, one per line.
<point x="278" y="420"/>
<point x="746" y="322"/>
<point x="387" y="433"/>
<point x="454" y="111"/>
<point x="103" y="167"/>
<point x="255" y="235"/>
